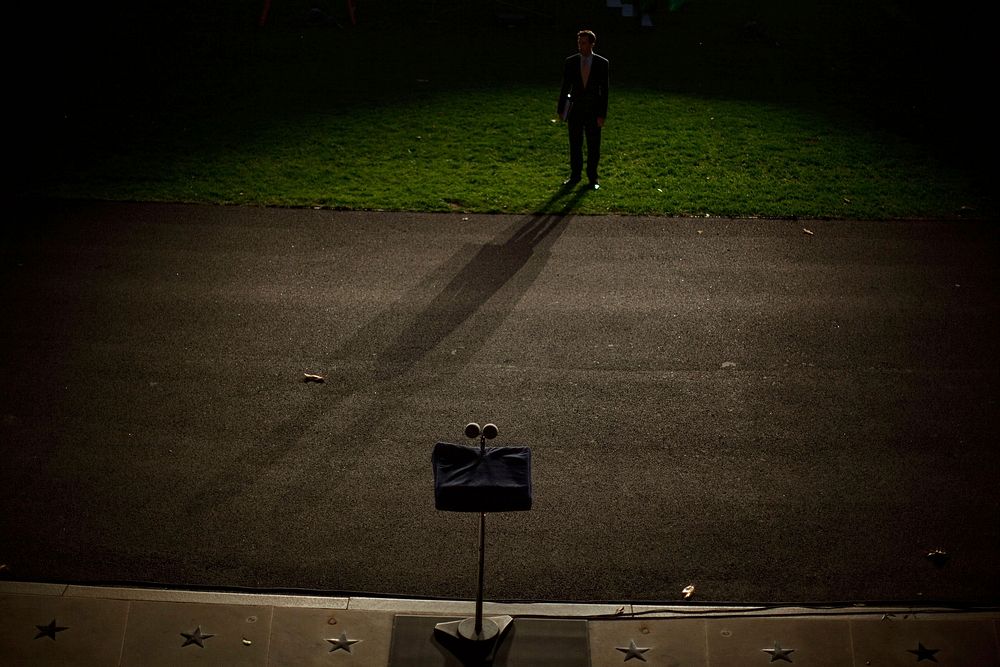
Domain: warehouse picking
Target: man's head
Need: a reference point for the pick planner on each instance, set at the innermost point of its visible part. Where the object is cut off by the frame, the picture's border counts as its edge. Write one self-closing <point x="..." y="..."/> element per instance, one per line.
<point x="585" y="40"/>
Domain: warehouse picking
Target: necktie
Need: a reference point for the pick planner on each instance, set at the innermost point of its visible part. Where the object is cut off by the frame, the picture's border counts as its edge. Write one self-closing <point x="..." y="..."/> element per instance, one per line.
<point x="585" y="71"/>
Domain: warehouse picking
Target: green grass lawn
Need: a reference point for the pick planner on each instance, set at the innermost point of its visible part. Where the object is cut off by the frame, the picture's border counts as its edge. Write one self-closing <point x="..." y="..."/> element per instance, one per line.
<point x="493" y="151"/>
<point x="288" y="120"/>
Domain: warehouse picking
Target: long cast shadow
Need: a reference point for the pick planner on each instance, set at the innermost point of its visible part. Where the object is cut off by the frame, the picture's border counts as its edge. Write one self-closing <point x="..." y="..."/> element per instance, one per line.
<point x="483" y="276"/>
<point x="492" y="267"/>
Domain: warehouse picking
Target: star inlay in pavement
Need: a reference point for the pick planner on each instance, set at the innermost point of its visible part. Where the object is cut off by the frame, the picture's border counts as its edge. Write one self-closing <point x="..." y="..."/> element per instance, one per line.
<point x="195" y="638"/>
<point x="778" y="653"/>
<point x="924" y="653"/>
<point x="49" y="630"/>
<point x="342" y="643"/>
<point x="632" y="651"/>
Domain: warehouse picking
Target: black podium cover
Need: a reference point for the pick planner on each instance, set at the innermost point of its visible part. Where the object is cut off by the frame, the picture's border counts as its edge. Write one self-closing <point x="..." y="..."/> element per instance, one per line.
<point x="468" y="480"/>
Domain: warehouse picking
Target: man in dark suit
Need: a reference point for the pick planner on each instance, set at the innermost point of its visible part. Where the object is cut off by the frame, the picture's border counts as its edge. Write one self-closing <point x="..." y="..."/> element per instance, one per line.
<point x="583" y="103"/>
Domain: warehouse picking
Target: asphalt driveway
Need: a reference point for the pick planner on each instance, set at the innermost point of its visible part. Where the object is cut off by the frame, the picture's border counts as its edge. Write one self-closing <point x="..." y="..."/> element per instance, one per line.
<point x="769" y="410"/>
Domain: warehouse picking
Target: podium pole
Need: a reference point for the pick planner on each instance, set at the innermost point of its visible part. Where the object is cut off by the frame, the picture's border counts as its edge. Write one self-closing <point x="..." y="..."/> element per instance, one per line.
<point x="482" y="570"/>
<point x="482" y="554"/>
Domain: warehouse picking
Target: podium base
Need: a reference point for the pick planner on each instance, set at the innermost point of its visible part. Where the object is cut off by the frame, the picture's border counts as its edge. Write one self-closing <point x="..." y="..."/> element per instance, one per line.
<point x="527" y="642"/>
<point x="493" y="628"/>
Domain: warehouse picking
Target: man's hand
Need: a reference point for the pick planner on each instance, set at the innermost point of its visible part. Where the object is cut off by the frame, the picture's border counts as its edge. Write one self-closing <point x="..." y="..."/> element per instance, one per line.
<point x="600" y="122"/>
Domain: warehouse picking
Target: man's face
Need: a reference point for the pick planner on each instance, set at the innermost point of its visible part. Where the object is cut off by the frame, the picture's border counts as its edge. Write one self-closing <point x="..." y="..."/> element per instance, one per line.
<point x="584" y="45"/>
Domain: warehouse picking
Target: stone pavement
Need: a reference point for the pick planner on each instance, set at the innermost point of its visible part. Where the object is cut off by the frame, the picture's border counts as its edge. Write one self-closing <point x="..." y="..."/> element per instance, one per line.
<point x="55" y="624"/>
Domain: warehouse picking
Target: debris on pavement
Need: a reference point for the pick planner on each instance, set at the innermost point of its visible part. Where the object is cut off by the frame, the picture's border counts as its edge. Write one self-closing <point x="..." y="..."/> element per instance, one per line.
<point x="808" y="231"/>
<point x="688" y="592"/>
<point x="310" y="377"/>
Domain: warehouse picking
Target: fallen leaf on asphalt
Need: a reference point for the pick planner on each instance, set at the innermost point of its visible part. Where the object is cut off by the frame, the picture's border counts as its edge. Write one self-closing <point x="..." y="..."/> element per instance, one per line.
<point x="807" y="231"/>
<point x="309" y="377"/>
<point x="688" y="592"/>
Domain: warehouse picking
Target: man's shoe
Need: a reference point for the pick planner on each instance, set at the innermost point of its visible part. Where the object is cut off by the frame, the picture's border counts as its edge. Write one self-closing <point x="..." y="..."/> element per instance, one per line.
<point x="571" y="181"/>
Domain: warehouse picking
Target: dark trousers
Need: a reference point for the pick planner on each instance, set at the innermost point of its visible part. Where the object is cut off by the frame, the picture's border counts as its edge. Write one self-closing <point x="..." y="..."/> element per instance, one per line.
<point x="581" y="126"/>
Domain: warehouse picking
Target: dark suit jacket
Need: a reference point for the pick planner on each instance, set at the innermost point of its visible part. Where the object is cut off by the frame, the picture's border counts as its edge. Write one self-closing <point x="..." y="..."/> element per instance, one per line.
<point x="589" y="102"/>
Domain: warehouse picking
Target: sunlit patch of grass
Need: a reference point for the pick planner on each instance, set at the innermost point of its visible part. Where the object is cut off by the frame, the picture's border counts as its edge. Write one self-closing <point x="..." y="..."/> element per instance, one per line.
<point x="499" y="151"/>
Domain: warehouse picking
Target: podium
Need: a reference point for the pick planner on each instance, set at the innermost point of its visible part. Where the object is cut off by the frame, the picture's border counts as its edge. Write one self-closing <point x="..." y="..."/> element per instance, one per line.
<point x="480" y="479"/>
